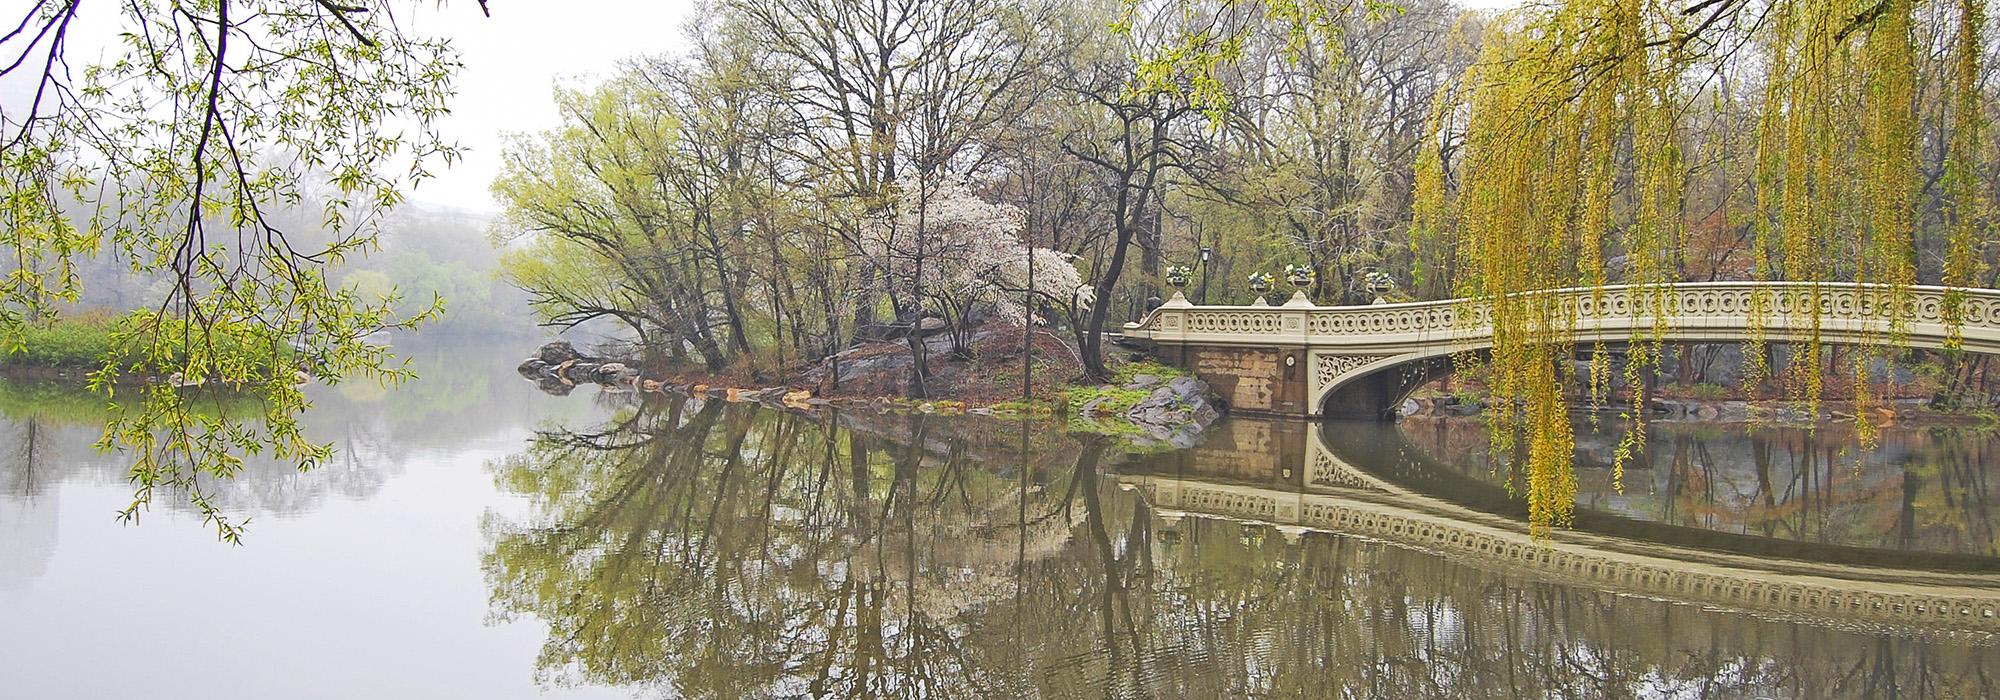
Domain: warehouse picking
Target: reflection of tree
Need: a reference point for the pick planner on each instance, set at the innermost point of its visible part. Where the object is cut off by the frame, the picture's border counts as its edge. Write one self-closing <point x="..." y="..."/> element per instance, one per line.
<point x="719" y="551"/>
<point x="728" y="553"/>
<point x="28" y="514"/>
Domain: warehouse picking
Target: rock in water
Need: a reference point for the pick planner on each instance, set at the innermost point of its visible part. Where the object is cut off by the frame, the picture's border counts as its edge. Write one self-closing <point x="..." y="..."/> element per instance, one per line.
<point x="615" y="373"/>
<point x="1175" y="413"/>
<point x="532" y="368"/>
<point x="558" y="352"/>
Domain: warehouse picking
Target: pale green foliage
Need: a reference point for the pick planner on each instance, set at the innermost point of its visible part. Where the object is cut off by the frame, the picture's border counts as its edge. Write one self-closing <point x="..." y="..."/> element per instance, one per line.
<point x="619" y="214"/>
<point x="205" y="114"/>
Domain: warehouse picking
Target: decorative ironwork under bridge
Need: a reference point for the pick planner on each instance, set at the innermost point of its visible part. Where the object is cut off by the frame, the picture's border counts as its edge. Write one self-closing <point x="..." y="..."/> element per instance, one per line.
<point x="1301" y="359"/>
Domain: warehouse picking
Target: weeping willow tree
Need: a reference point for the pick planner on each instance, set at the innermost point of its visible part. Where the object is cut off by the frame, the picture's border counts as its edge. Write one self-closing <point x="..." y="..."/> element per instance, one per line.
<point x="1573" y="173"/>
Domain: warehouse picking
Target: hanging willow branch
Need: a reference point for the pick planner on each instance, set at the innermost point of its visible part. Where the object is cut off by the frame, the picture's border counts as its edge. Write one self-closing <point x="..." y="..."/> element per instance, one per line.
<point x="1573" y="174"/>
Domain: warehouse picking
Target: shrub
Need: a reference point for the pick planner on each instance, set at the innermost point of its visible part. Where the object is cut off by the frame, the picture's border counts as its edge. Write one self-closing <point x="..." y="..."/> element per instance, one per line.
<point x="1707" y="391"/>
<point x="82" y="341"/>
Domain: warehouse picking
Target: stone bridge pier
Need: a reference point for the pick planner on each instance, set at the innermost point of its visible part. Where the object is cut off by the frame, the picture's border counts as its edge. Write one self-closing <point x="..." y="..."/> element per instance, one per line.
<point x="1304" y="360"/>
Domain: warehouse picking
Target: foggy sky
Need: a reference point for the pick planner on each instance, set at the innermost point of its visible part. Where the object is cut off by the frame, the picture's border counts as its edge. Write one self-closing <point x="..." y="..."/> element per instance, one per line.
<point x="515" y="58"/>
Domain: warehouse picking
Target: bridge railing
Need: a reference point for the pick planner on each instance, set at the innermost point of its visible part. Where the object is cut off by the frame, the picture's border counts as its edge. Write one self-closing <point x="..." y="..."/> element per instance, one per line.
<point x="1718" y="311"/>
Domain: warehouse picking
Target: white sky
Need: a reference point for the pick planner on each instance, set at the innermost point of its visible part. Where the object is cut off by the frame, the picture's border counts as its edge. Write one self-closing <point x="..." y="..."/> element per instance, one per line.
<point x="512" y="61"/>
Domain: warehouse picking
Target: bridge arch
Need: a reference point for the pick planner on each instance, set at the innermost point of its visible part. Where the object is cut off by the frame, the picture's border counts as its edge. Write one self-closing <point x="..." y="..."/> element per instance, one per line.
<point x="1303" y="359"/>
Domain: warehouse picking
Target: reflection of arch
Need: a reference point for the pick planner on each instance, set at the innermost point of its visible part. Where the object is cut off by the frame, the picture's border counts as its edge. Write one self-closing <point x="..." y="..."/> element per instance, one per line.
<point x="1343" y="499"/>
<point x="1353" y="348"/>
<point x="1414" y="470"/>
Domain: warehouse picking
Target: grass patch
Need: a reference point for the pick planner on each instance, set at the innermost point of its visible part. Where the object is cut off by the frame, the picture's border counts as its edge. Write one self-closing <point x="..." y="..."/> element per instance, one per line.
<point x="1116" y="400"/>
<point x="1125" y="373"/>
<point x="75" y="346"/>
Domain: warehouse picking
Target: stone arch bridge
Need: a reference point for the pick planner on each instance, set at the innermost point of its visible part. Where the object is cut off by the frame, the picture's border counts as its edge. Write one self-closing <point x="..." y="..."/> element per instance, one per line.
<point x="1300" y="359"/>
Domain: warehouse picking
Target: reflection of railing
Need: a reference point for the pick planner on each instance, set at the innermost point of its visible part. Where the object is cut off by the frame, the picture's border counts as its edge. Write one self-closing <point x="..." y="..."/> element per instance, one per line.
<point x="1715" y="310"/>
<point x="1341" y="499"/>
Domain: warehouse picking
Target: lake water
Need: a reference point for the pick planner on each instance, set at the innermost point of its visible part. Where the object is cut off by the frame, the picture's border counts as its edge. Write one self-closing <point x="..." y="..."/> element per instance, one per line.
<point x="476" y="538"/>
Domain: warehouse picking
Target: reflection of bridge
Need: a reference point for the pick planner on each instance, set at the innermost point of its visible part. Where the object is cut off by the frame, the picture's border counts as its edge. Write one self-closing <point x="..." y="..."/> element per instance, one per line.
<point x="1301" y="359"/>
<point x="1328" y="494"/>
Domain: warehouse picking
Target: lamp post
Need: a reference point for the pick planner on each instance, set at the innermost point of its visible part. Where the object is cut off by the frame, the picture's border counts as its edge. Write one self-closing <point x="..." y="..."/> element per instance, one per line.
<point x="1206" y="253"/>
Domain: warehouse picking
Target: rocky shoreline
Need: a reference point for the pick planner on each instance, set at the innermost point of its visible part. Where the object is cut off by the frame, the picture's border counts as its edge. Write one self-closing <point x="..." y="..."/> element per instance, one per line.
<point x="1147" y="411"/>
<point x="1174" y="412"/>
<point x="1153" y="412"/>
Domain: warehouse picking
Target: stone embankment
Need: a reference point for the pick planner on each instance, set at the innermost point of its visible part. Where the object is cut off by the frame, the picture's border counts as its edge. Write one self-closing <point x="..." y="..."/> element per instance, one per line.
<point x="558" y="368"/>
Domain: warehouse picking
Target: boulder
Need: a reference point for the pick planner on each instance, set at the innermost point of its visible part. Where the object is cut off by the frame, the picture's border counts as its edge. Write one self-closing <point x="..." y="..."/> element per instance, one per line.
<point x="532" y="368"/>
<point x="558" y="352"/>
<point x="614" y="373"/>
<point x="1175" y="413"/>
<point x="553" y="385"/>
<point x="768" y="395"/>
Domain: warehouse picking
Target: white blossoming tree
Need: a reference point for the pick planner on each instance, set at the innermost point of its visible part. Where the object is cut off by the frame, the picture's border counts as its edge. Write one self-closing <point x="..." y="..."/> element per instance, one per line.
<point x="944" y="251"/>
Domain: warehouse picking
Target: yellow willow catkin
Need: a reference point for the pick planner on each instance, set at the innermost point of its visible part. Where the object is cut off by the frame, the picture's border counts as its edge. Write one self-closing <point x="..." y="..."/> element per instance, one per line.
<point x="1551" y="104"/>
<point x="1814" y="199"/>
<point x="1886" y="270"/>
<point x="1967" y="141"/>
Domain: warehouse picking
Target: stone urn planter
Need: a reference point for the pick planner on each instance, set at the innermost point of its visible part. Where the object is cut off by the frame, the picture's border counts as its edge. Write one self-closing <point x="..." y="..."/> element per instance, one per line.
<point x="1380" y="284"/>
<point x="1300" y="276"/>
<point x="1260" y="283"/>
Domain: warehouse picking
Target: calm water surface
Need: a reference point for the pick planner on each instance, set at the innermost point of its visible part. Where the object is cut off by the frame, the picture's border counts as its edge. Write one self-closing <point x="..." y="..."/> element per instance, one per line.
<point x="478" y="539"/>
